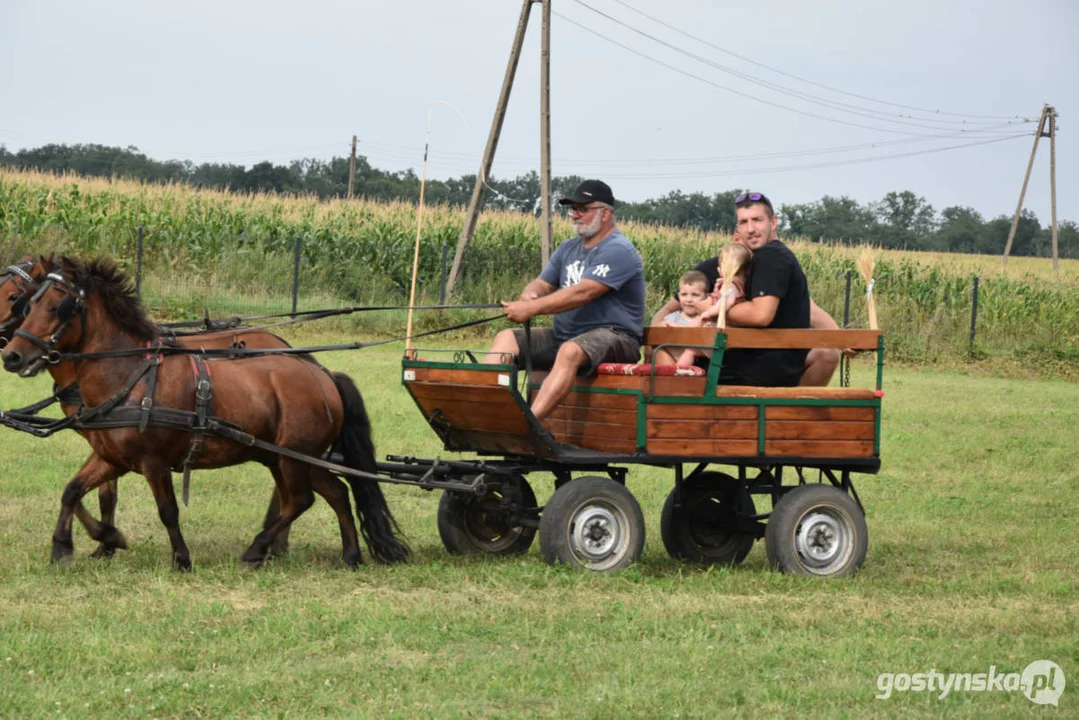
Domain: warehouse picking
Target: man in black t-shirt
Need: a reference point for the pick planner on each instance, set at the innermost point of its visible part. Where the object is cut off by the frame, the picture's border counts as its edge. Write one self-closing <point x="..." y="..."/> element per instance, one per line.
<point x="777" y="297"/>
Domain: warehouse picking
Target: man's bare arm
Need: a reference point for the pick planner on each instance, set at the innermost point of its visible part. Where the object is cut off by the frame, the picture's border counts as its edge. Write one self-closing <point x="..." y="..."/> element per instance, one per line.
<point x="758" y="312"/>
<point x="536" y="289"/>
<point x="819" y="319"/>
<point x="567" y="298"/>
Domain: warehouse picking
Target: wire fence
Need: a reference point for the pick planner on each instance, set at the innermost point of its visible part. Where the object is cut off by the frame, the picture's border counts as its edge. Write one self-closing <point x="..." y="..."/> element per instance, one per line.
<point x="928" y="316"/>
<point x="273" y="284"/>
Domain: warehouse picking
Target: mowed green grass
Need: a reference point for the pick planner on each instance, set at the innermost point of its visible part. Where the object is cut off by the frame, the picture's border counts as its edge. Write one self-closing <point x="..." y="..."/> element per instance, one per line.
<point x="972" y="563"/>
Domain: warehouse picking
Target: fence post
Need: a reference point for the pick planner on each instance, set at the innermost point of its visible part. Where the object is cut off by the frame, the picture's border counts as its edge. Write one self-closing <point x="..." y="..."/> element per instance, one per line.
<point x="138" y="264"/>
<point x="442" y="282"/>
<point x="295" y="276"/>
<point x="973" y="316"/>
<point x="846" y="303"/>
<point x="844" y="361"/>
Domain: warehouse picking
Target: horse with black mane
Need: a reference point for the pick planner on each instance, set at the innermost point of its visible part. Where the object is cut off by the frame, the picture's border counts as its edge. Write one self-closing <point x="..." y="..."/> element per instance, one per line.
<point x="18" y="283"/>
<point x="125" y="374"/>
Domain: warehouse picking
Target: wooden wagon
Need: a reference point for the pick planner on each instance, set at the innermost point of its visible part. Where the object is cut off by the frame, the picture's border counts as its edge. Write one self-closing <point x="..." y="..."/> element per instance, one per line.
<point x="798" y="446"/>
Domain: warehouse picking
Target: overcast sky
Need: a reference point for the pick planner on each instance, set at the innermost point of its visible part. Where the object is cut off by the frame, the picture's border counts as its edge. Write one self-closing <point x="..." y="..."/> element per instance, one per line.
<point x="701" y="96"/>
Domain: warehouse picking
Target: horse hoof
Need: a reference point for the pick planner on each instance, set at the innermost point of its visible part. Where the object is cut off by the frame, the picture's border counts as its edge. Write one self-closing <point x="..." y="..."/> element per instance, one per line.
<point x="353" y="561"/>
<point x="61" y="554"/>
<point x="113" y="538"/>
<point x="278" y="550"/>
<point x="183" y="564"/>
<point x="103" y="551"/>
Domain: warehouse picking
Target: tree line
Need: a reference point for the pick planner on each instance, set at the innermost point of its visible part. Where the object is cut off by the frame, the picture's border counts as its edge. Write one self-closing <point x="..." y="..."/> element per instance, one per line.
<point x="899" y="220"/>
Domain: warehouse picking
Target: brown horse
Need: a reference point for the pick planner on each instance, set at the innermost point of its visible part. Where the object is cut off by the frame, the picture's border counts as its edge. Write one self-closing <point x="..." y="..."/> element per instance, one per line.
<point x="288" y="401"/>
<point x="17" y="285"/>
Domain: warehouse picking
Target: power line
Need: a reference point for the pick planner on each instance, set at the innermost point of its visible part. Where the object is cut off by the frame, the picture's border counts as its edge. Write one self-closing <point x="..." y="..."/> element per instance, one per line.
<point x="817" y="100"/>
<point x="809" y="166"/>
<point x="653" y="162"/>
<point x="836" y="163"/>
<point x="732" y="90"/>
<point x="811" y="82"/>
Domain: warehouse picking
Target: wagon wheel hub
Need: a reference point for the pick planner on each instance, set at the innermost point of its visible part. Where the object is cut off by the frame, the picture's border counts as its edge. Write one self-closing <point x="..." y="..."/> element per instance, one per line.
<point x="597" y="533"/>
<point x="820" y="539"/>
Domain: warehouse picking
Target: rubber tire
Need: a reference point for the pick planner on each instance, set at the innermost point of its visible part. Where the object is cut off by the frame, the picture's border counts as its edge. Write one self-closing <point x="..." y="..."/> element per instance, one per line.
<point x="689" y="536"/>
<point x="824" y="508"/>
<point x="464" y="528"/>
<point x="596" y="503"/>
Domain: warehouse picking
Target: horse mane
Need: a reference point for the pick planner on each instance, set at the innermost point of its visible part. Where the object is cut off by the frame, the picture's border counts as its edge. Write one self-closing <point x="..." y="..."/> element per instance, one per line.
<point x="103" y="278"/>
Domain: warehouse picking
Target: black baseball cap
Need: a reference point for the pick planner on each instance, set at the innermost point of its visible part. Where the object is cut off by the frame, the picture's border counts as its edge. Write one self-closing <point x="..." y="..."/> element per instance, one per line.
<point x="590" y="191"/>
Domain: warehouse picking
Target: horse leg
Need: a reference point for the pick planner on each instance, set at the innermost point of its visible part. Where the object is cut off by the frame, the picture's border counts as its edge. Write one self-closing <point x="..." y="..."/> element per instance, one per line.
<point x="279" y="547"/>
<point x="160" y="480"/>
<point x="294" y="488"/>
<point x="109" y="538"/>
<point x="107" y="497"/>
<point x="93" y="473"/>
<point x="335" y="493"/>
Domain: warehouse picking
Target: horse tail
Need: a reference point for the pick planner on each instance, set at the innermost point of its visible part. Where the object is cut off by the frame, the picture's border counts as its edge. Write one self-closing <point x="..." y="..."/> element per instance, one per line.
<point x="376" y="521"/>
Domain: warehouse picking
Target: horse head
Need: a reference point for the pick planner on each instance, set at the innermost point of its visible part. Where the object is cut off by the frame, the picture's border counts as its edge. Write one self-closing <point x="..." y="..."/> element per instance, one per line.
<point x="18" y="283"/>
<point x="78" y="307"/>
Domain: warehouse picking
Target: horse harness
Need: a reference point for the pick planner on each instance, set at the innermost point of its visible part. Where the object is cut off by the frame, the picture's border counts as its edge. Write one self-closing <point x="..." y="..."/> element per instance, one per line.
<point x="110" y="414"/>
<point x="21" y="307"/>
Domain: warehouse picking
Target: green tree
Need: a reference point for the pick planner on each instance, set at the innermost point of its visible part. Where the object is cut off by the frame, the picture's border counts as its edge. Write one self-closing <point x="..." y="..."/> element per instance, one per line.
<point x="904" y="220"/>
<point x="833" y="218"/>
<point x="959" y="231"/>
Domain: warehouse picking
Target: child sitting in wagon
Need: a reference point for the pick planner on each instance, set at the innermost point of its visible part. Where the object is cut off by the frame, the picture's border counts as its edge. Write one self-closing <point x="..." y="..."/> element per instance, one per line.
<point x="694" y="299"/>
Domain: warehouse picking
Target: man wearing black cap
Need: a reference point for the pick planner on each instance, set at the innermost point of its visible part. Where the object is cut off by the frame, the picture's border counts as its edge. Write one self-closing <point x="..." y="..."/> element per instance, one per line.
<point x="594" y="288"/>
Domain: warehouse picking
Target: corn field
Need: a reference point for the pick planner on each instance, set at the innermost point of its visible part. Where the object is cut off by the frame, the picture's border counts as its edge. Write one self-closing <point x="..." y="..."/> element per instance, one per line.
<point x="227" y="254"/>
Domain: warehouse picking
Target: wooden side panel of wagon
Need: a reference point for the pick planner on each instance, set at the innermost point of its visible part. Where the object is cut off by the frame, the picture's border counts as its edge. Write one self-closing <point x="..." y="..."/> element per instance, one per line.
<point x="475" y="409"/>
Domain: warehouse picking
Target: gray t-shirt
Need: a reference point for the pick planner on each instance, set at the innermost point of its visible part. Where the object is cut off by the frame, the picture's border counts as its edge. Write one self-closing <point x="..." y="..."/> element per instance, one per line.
<point x="615" y="263"/>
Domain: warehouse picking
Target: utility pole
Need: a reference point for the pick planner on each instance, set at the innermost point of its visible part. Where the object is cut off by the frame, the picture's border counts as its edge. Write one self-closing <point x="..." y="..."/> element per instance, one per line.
<point x="1053" y="184"/>
<point x="545" y="134"/>
<point x="474" y="205"/>
<point x="352" y="169"/>
<point x="1046" y="128"/>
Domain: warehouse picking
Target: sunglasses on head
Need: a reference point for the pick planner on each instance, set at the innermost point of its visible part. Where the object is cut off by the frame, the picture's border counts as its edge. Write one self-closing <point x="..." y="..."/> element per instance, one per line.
<point x="750" y="198"/>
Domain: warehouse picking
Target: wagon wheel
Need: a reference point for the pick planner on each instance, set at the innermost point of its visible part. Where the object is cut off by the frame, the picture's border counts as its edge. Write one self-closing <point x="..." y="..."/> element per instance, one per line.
<point x="470" y="524"/>
<point x="592" y="523"/>
<point x="817" y="530"/>
<point x="703" y="529"/>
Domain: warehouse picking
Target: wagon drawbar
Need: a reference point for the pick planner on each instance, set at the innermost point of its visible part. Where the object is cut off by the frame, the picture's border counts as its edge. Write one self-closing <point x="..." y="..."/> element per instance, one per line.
<point x="773" y="440"/>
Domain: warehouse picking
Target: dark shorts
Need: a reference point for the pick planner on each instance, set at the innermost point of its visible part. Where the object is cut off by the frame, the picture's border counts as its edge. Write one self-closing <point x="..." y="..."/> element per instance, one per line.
<point x="600" y="345"/>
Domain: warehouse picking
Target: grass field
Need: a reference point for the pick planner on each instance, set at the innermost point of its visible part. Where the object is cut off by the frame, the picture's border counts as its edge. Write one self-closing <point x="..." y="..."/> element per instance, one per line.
<point x="971" y="564"/>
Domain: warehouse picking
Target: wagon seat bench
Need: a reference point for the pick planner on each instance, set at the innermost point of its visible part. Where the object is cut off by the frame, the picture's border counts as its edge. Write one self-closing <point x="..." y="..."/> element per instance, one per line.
<point x="667" y="417"/>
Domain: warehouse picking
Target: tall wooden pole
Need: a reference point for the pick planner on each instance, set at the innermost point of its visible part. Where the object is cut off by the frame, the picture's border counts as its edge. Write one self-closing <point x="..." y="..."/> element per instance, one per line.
<point x="419" y="229"/>
<point x="1023" y="192"/>
<point x="545" y="135"/>
<point x="489" y="151"/>
<point x="1053" y="184"/>
<point x="352" y="168"/>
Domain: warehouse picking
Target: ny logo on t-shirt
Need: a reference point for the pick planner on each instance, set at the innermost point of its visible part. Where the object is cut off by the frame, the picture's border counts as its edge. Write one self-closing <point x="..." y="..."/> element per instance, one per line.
<point x="574" y="271"/>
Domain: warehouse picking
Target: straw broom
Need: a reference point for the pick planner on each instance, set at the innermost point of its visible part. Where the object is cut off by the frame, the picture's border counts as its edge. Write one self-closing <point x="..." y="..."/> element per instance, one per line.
<point x="728" y="268"/>
<point x="865" y="267"/>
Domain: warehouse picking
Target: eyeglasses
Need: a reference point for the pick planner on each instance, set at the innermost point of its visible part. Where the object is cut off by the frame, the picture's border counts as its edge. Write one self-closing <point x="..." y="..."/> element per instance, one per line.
<point x="584" y="210"/>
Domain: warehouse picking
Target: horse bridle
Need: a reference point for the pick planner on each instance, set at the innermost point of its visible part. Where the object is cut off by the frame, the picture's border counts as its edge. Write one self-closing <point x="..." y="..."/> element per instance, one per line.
<point x="21" y="307"/>
<point x="70" y="308"/>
